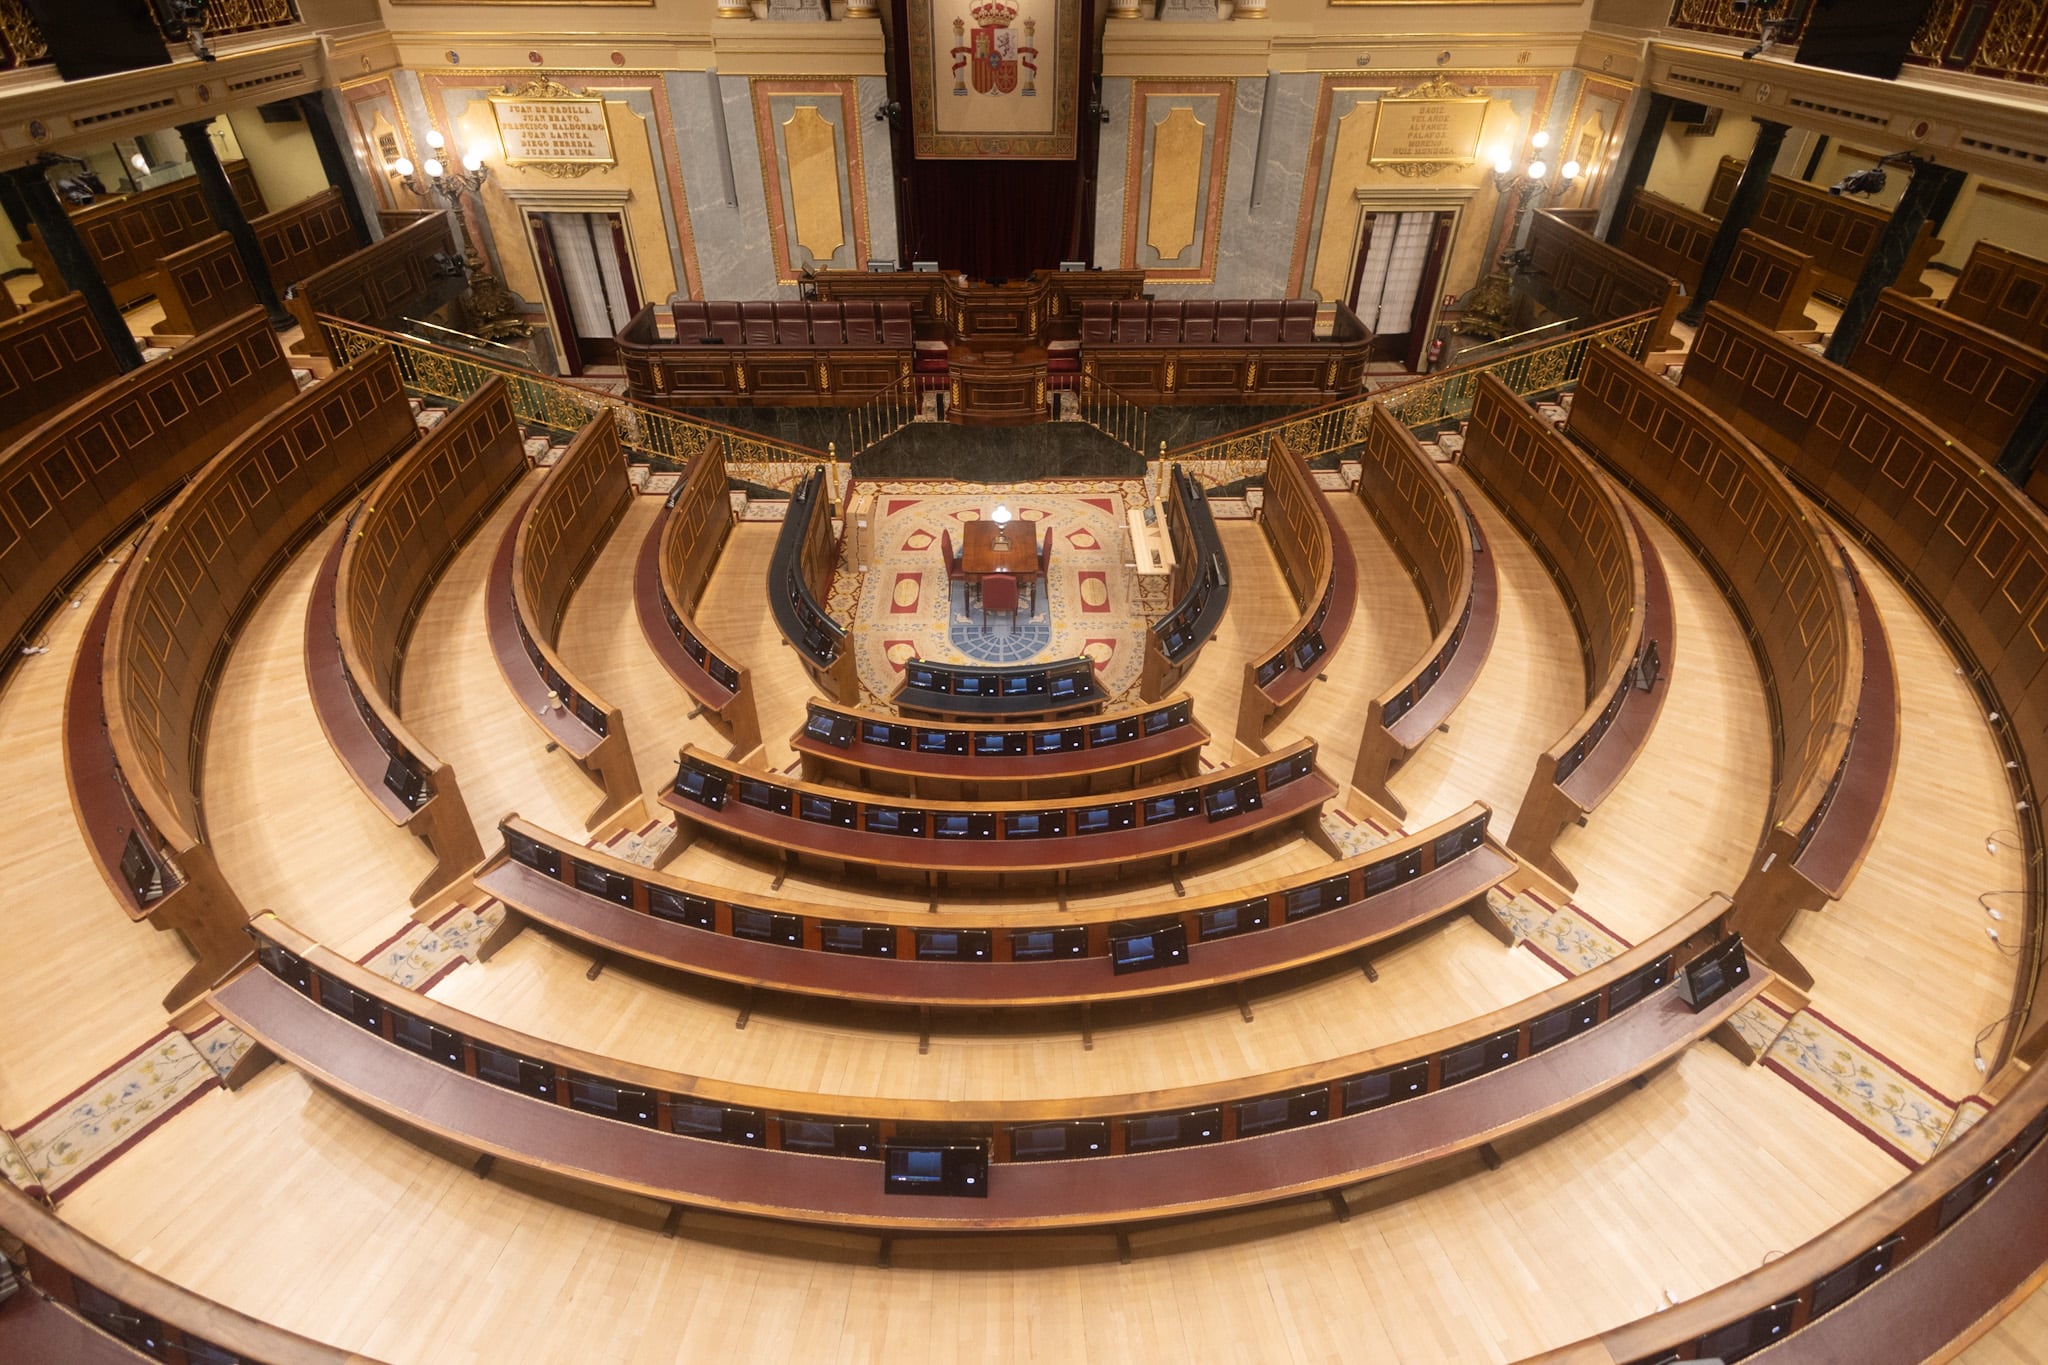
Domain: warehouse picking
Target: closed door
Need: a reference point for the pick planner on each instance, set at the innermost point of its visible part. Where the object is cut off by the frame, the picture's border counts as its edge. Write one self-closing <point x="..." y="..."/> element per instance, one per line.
<point x="588" y="278"/>
<point x="1394" y="280"/>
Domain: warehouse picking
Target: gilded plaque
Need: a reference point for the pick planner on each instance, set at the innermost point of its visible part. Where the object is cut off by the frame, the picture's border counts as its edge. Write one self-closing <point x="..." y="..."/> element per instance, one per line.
<point x="547" y="125"/>
<point x="1434" y="125"/>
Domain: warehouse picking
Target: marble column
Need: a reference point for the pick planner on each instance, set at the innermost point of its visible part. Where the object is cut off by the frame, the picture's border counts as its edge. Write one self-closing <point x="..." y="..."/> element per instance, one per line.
<point x="75" y="263"/>
<point x="227" y="213"/>
<point x="1742" y="207"/>
<point x="1930" y="186"/>
<point x="339" y="166"/>
<point x="1639" y="151"/>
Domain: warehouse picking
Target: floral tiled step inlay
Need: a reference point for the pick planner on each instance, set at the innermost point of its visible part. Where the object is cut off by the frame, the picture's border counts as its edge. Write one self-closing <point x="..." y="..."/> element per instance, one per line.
<point x="1896" y="1111"/>
<point x="421" y="954"/>
<point x="65" y="1144"/>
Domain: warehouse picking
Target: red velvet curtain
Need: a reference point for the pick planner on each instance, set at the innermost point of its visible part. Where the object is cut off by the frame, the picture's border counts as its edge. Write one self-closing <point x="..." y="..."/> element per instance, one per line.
<point x="999" y="218"/>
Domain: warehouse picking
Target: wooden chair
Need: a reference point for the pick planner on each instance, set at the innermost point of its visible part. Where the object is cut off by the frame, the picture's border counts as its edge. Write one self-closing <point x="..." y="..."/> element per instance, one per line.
<point x="999" y="593"/>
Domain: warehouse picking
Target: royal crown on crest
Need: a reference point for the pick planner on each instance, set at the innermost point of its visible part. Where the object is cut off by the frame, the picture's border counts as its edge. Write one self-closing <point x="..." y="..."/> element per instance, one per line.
<point x="993" y="14"/>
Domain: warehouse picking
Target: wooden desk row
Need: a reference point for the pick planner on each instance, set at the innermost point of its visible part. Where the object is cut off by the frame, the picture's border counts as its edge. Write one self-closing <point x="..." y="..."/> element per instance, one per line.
<point x="205" y="284"/>
<point x="1765" y="279"/>
<point x="2004" y="290"/>
<point x="1783" y="573"/>
<point x="994" y="959"/>
<point x="170" y="623"/>
<point x="800" y="582"/>
<point x="1322" y="574"/>
<point x="1019" y="692"/>
<point x="1969" y="380"/>
<point x="1043" y="306"/>
<point x="128" y="235"/>
<point x="675" y="563"/>
<point x="1612" y="581"/>
<point x="84" y="1305"/>
<point x="1573" y="274"/>
<point x="1223" y="351"/>
<point x="1042" y="1162"/>
<point x="1429" y="527"/>
<point x="1199" y="587"/>
<point x="781" y="370"/>
<point x="936" y="839"/>
<point x="412" y="268"/>
<point x="1916" y="1273"/>
<point x="965" y="760"/>
<point x="49" y="355"/>
<point x="539" y="563"/>
<point x="1836" y="231"/>
<point x="366" y="600"/>
<point x="1968" y="545"/>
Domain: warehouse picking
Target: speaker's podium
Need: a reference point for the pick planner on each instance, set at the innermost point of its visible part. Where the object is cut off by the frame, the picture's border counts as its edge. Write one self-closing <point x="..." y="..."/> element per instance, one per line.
<point x="996" y="382"/>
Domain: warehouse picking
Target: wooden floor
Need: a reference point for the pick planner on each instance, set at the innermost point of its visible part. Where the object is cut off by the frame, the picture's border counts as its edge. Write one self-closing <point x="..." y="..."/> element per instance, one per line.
<point x="79" y="981"/>
<point x="1700" y="789"/>
<point x="1530" y="691"/>
<point x="285" y="1202"/>
<point x="289" y="823"/>
<point x="456" y="700"/>
<point x="732" y="613"/>
<point x="2021" y="1339"/>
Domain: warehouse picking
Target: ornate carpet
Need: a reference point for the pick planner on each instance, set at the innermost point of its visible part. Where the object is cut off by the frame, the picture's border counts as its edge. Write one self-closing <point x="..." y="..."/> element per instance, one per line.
<point x="904" y="606"/>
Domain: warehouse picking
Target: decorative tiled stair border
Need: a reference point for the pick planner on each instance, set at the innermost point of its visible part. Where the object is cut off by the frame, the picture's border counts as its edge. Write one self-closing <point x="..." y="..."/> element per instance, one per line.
<point x="418" y="956"/>
<point x="62" y="1146"/>
<point x="1856" y="1083"/>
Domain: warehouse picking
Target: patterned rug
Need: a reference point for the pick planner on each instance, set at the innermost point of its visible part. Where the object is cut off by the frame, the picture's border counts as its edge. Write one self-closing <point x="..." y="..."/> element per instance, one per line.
<point x="1862" y="1088"/>
<point x="904" y="606"/>
<point x="66" y="1143"/>
<point x="420" y="955"/>
<point x="1565" y="936"/>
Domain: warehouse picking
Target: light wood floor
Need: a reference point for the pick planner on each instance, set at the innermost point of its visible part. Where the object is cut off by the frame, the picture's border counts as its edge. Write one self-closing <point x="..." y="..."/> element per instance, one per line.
<point x="1529" y="692"/>
<point x="79" y="981"/>
<point x="1389" y="631"/>
<point x="456" y="700"/>
<point x="1260" y="604"/>
<point x="733" y="613"/>
<point x="602" y="641"/>
<point x="2022" y="1339"/>
<point x="1903" y="960"/>
<point x="289" y="824"/>
<point x="289" y="1204"/>
<point x="1700" y="789"/>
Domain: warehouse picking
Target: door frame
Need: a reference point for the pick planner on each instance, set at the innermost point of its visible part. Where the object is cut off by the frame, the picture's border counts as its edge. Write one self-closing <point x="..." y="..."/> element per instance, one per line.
<point x="1451" y="199"/>
<point x="531" y="201"/>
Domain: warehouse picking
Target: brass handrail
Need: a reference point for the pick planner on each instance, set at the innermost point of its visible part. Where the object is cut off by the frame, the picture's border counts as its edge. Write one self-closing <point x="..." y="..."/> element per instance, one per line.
<point x="1419" y="403"/>
<point x="883" y="413"/>
<point x="664" y="439"/>
<point x="1112" y="414"/>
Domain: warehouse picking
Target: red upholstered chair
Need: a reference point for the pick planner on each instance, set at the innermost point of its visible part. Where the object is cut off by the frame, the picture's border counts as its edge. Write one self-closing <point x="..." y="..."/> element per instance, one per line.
<point x="1096" y="324"/>
<point x="1198" y="322"/>
<point x="1298" y="322"/>
<point x="860" y="324"/>
<point x="691" y="325"/>
<point x="896" y="328"/>
<point x="1133" y="320"/>
<point x="999" y="593"/>
<point x="792" y="327"/>
<point x="1230" y="322"/>
<point x="723" y="318"/>
<point x="825" y="324"/>
<point x="757" y="323"/>
<point x="1265" y="325"/>
<point x="1166" y="322"/>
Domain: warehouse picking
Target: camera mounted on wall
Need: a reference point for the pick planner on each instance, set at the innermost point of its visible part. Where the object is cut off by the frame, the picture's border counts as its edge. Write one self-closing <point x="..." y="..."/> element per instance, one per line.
<point x="1770" y="31"/>
<point x="186" y="19"/>
<point x="1871" y="180"/>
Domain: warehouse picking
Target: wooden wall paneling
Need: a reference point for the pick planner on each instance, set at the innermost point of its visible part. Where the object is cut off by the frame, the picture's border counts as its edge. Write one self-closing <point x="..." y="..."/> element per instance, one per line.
<point x="1964" y="377"/>
<point x="684" y="546"/>
<point x="128" y="236"/>
<point x="553" y="543"/>
<point x="49" y="354"/>
<point x="2004" y="290"/>
<point x="369" y="285"/>
<point x="1575" y="275"/>
<point x="1836" y="231"/>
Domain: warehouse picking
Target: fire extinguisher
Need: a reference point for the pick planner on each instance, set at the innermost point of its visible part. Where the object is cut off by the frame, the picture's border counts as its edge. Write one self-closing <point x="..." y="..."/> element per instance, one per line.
<point x="1436" y="353"/>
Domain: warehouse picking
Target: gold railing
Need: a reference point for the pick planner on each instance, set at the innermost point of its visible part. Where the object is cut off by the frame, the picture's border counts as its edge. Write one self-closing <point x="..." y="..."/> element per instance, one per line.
<point x="22" y="43"/>
<point x="1110" y="413"/>
<point x="664" y="439"/>
<point x="1420" y="403"/>
<point x="883" y="413"/>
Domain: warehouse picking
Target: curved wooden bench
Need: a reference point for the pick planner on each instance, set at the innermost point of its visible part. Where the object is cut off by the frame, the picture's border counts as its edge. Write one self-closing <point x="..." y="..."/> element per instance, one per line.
<point x="1020" y="693"/>
<point x="965" y="759"/>
<point x="1965" y="378"/>
<point x="1772" y="283"/>
<point x="2004" y="290"/>
<point x="1322" y="573"/>
<point x="1426" y="522"/>
<point x="800" y="583"/>
<point x="1968" y="545"/>
<point x="1117" y="1158"/>
<point x="49" y="355"/>
<point x="1612" y="582"/>
<point x="668" y="582"/>
<point x="994" y="959"/>
<point x="1837" y="231"/>
<point x="1574" y="274"/>
<point x="933" y="838"/>
<point x="1199" y="587"/>
<point x="1666" y="236"/>
<point x="365" y="602"/>
<point x="175" y="614"/>
<point x="78" y="482"/>
<point x="128" y="235"/>
<point x="1925" y="1266"/>
<point x="205" y="284"/>
<point x="81" y="1297"/>
<point x="540" y="561"/>
<point x="1783" y="574"/>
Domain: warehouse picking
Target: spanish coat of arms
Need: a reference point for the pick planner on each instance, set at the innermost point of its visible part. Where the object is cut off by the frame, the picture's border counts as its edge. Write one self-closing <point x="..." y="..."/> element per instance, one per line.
<point x="994" y="53"/>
